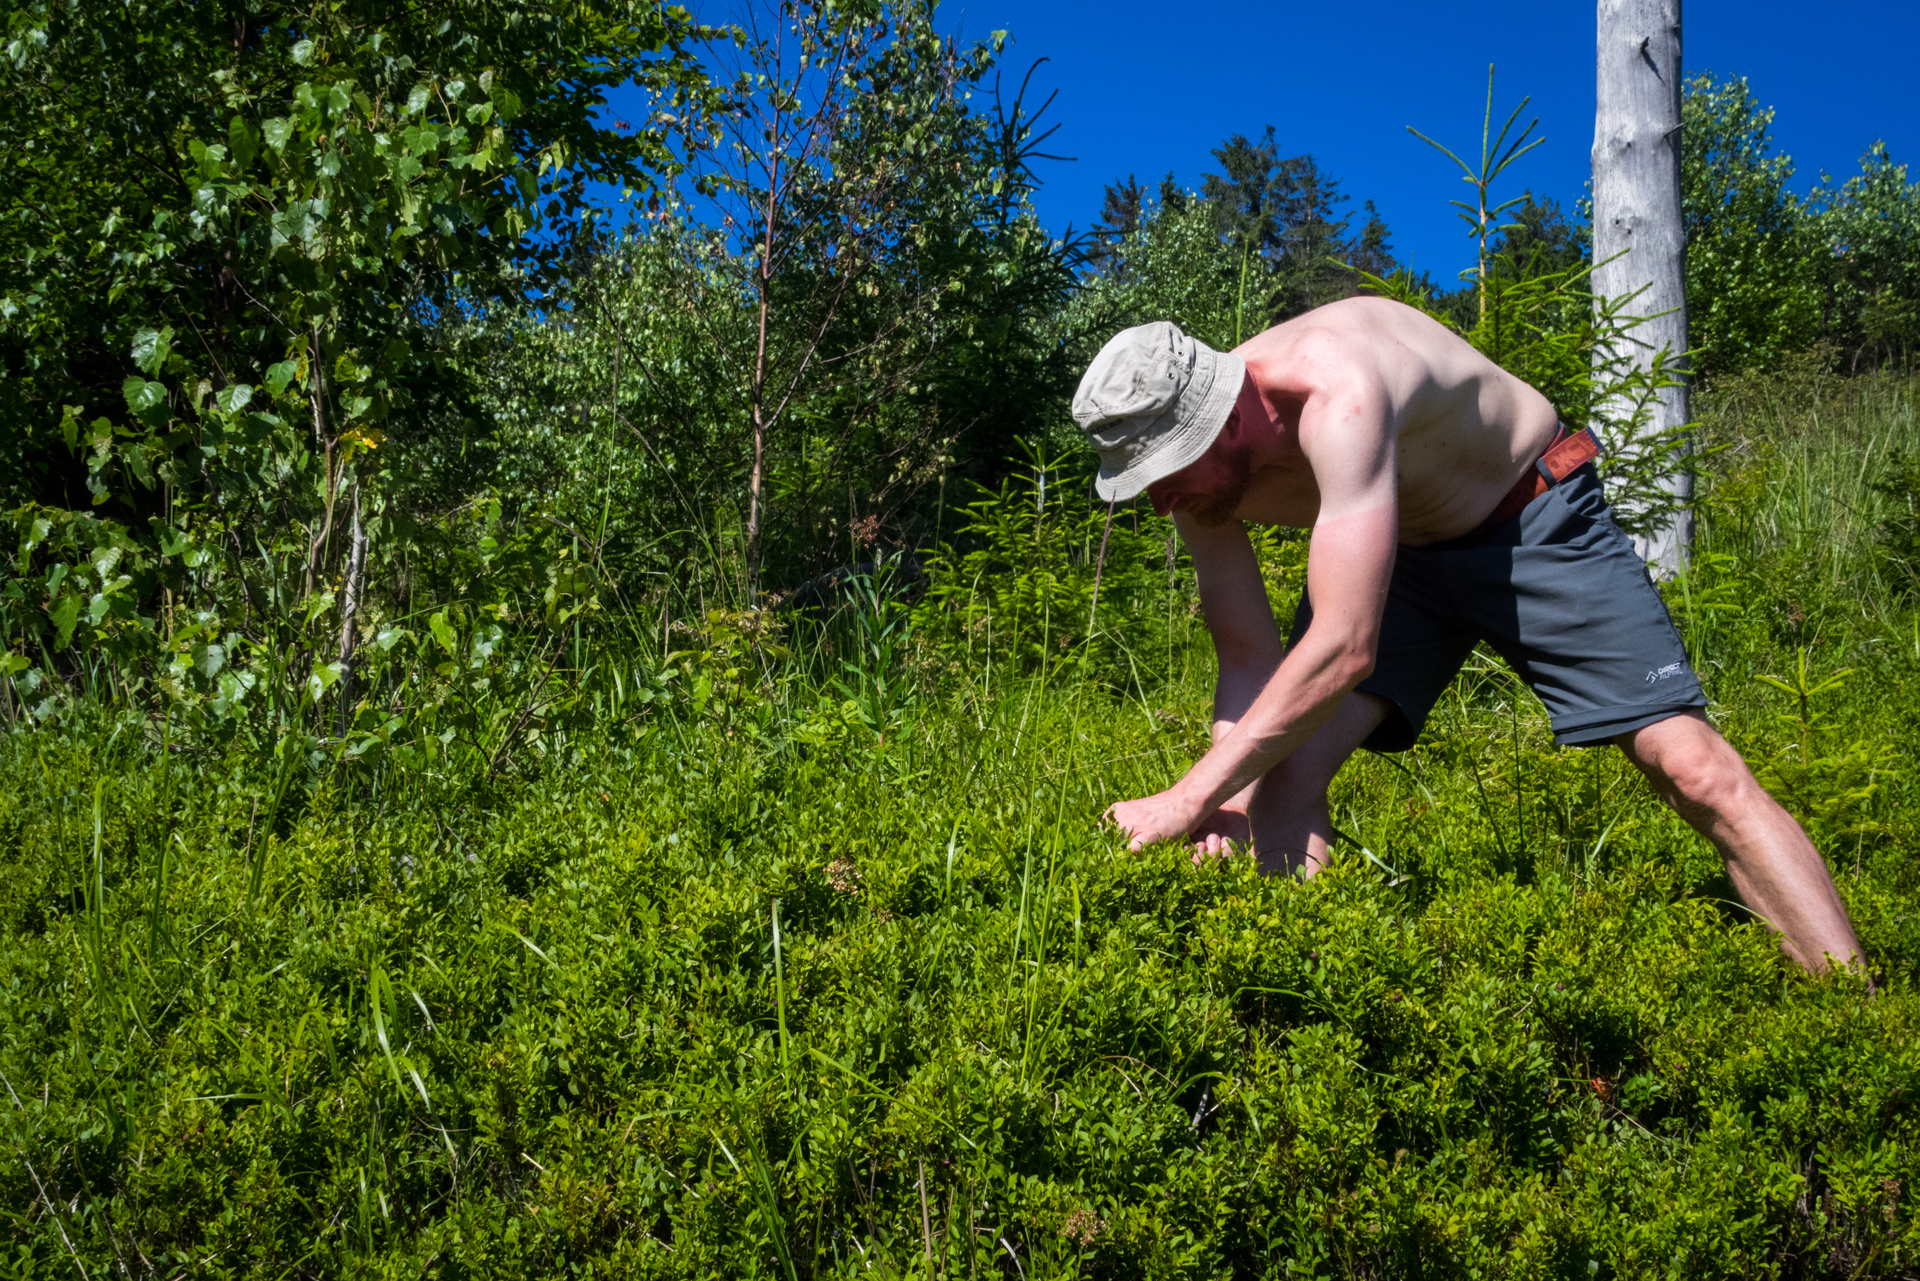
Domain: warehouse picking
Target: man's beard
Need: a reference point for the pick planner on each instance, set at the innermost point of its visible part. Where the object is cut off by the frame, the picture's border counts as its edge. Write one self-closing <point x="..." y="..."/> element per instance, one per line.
<point x="1217" y="508"/>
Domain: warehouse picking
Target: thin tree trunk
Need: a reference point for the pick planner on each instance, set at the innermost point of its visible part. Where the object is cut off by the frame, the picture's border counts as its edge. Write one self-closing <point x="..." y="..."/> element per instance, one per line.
<point x="350" y="608"/>
<point x="1636" y="209"/>
<point x="756" y="482"/>
<point x="324" y="443"/>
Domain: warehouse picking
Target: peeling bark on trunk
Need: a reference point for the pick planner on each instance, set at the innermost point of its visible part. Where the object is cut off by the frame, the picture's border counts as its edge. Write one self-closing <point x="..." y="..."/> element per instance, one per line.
<point x="1636" y="209"/>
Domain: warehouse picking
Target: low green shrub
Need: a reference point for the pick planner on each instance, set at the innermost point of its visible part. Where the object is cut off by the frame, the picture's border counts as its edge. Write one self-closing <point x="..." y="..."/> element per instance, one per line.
<point x="543" y="1029"/>
<point x="807" y="956"/>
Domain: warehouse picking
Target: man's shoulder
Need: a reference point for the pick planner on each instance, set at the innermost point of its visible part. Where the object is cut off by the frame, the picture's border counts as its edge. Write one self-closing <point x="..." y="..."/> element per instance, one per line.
<point x="1350" y="345"/>
<point x="1349" y="327"/>
<point x="1358" y="323"/>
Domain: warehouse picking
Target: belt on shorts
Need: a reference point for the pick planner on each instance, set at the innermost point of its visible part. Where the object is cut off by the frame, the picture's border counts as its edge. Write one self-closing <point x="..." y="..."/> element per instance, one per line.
<point x="1566" y="454"/>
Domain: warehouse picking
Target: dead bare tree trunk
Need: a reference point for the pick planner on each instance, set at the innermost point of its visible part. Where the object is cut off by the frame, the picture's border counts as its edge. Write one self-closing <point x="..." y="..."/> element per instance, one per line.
<point x="350" y="608"/>
<point x="1636" y="218"/>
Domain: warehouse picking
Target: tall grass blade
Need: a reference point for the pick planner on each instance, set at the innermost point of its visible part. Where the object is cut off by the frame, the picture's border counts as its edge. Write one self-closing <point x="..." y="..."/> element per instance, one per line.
<point x="761" y="1184"/>
<point x="779" y="984"/>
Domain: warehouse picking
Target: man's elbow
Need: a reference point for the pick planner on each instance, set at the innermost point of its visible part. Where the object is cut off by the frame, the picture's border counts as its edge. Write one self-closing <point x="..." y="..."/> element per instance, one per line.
<point x="1355" y="663"/>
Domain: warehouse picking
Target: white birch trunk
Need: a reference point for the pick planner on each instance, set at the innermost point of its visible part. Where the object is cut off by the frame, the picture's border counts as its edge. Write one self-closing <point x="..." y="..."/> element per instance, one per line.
<point x="352" y="588"/>
<point x="1636" y="208"/>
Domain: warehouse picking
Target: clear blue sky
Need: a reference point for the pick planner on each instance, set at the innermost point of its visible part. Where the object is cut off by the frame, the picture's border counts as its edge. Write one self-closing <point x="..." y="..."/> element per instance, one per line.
<point x="1148" y="89"/>
<point x="1145" y="89"/>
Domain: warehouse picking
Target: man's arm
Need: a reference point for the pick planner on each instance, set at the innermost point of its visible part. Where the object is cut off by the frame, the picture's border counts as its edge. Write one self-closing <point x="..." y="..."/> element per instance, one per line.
<point x="1348" y="443"/>
<point x="1246" y="644"/>
<point x="1233" y="600"/>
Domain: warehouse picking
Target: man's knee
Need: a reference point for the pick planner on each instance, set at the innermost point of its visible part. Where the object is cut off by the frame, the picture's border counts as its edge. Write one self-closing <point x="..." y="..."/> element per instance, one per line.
<point x="1693" y="767"/>
<point x="1721" y="784"/>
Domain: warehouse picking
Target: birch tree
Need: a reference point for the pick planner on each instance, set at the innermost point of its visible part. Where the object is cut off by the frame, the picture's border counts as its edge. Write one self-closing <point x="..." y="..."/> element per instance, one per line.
<point x="875" y="215"/>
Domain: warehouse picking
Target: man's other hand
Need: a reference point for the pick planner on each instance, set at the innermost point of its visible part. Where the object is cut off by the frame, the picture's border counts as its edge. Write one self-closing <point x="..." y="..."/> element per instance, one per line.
<point x="1163" y="816"/>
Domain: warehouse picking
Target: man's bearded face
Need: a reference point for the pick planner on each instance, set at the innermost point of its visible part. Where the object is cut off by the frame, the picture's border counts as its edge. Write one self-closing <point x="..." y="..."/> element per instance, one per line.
<point x="1232" y="473"/>
<point x="1210" y="488"/>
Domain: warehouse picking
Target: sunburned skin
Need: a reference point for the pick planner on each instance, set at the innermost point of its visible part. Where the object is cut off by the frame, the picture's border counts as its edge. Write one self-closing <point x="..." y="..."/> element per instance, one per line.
<point x="1362" y="374"/>
<point x="1373" y="426"/>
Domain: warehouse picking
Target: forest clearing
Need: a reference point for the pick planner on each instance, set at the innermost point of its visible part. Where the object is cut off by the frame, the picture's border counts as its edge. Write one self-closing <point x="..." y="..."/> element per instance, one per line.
<point x="556" y="733"/>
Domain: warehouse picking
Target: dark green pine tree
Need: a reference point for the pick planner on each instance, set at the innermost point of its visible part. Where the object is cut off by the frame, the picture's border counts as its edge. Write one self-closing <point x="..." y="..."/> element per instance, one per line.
<point x="1539" y="239"/>
<point x="1247" y="199"/>
<point x="1284" y="215"/>
<point x="1310" y="271"/>
<point x="1120" y="215"/>
<point x="1172" y="198"/>
<point x="1372" y="250"/>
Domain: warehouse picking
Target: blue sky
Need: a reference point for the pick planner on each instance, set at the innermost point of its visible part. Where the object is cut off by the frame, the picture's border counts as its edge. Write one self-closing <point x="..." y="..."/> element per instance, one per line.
<point x="1148" y="89"/>
<point x="1151" y="88"/>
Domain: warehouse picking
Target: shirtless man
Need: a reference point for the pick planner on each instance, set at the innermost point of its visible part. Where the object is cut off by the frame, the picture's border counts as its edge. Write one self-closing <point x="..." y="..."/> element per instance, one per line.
<point x="1447" y="506"/>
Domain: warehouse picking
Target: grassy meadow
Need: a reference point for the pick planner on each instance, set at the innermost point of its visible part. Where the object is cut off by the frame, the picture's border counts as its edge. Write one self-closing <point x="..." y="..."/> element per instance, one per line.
<point x="815" y="962"/>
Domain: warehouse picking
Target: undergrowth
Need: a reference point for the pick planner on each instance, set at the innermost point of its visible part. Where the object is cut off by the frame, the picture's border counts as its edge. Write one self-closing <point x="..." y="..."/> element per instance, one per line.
<point x="822" y="964"/>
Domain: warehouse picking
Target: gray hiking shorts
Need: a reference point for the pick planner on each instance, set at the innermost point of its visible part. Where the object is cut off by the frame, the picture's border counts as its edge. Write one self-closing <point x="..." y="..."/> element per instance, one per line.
<point x="1560" y="594"/>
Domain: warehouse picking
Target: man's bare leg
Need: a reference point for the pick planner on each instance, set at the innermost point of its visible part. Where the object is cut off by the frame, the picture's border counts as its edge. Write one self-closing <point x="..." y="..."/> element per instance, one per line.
<point x="1771" y="862"/>
<point x="1292" y="828"/>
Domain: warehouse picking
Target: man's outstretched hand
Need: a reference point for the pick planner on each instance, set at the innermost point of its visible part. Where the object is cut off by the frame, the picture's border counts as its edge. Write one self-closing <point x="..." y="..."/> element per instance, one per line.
<point x="1167" y="816"/>
<point x="1160" y="817"/>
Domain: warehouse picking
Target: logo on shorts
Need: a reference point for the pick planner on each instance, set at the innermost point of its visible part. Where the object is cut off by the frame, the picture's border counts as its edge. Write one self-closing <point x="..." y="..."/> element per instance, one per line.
<point x="1665" y="673"/>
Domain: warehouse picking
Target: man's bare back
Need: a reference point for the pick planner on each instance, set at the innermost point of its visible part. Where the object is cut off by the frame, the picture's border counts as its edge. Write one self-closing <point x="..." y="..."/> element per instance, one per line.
<point x="1396" y="443"/>
<point x="1464" y="430"/>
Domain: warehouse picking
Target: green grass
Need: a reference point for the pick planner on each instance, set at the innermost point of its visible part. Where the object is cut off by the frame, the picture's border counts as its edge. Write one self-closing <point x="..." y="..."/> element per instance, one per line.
<point x="460" y="1022"/>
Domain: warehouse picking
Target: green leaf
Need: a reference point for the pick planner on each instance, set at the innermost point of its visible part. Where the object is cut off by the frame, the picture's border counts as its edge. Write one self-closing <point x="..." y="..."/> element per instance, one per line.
<point x="303" y="51"/>
<point x="324" y="677"/>
<point x="147" y="400"/>
<point x="150" y="350"/>
<point x="242" y="142"/>
<point x="443" y="631"/>
<point x="233" y="399"/>
<point x="277" y="131"/>
<point x="136" y="459"/>
<point x="65" y="614"/>
<point x="418" y="99"/>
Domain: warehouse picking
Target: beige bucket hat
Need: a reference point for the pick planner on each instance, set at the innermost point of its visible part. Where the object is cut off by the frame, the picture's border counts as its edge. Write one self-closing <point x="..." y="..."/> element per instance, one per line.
<point x="1151" y="402"/>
